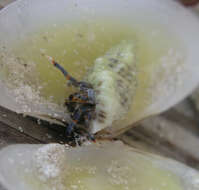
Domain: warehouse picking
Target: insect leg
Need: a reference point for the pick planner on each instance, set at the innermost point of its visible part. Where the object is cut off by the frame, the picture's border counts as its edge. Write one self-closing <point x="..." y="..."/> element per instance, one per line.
<point x="75" y="119"/>
<point x="86" y="113"/>
<point x="65" y="73"/>
<point x="70" y="128"/>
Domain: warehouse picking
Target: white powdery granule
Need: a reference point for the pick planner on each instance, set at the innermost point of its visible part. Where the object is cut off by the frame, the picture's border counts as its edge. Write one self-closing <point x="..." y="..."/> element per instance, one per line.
<point x="49" y="161"/>
<point x="26" y="97"/>
<point x="22" y="80"/>
<point x="118" y="174"/>
<point x="25" y="92"/>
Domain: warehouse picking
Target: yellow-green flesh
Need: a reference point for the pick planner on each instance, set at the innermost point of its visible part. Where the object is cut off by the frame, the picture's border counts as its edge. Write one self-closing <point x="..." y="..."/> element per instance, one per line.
<point x="110" y="167"/>
<point x="76" y="46"/>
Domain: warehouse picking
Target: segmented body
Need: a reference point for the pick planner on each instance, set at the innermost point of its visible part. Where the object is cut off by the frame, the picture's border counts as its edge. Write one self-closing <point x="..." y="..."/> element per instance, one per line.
<point x="114" y="79"/>
<point x="106" y="93"/>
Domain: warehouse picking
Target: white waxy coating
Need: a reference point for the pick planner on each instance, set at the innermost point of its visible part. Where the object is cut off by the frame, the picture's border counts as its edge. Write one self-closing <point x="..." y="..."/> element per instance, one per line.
<point x="113" y="77"/>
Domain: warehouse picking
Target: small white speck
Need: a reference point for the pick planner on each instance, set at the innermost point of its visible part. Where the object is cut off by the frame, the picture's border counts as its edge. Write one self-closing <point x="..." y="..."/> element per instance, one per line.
<point x="74" y="186"/>
<point x="19" y="154"/>
<point x="42" y="51"/>
<point x="27" y="170"/>
<point x="163" y="184"/>
<point x="75" y="51"/>
<point x="39" y="122"/>
<point x="49" y="136"/>
<point x="64" y="52"/>
<point x="10" y="160"/>
<point x="49" y="161"/>
<point x="20" y="129"/>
